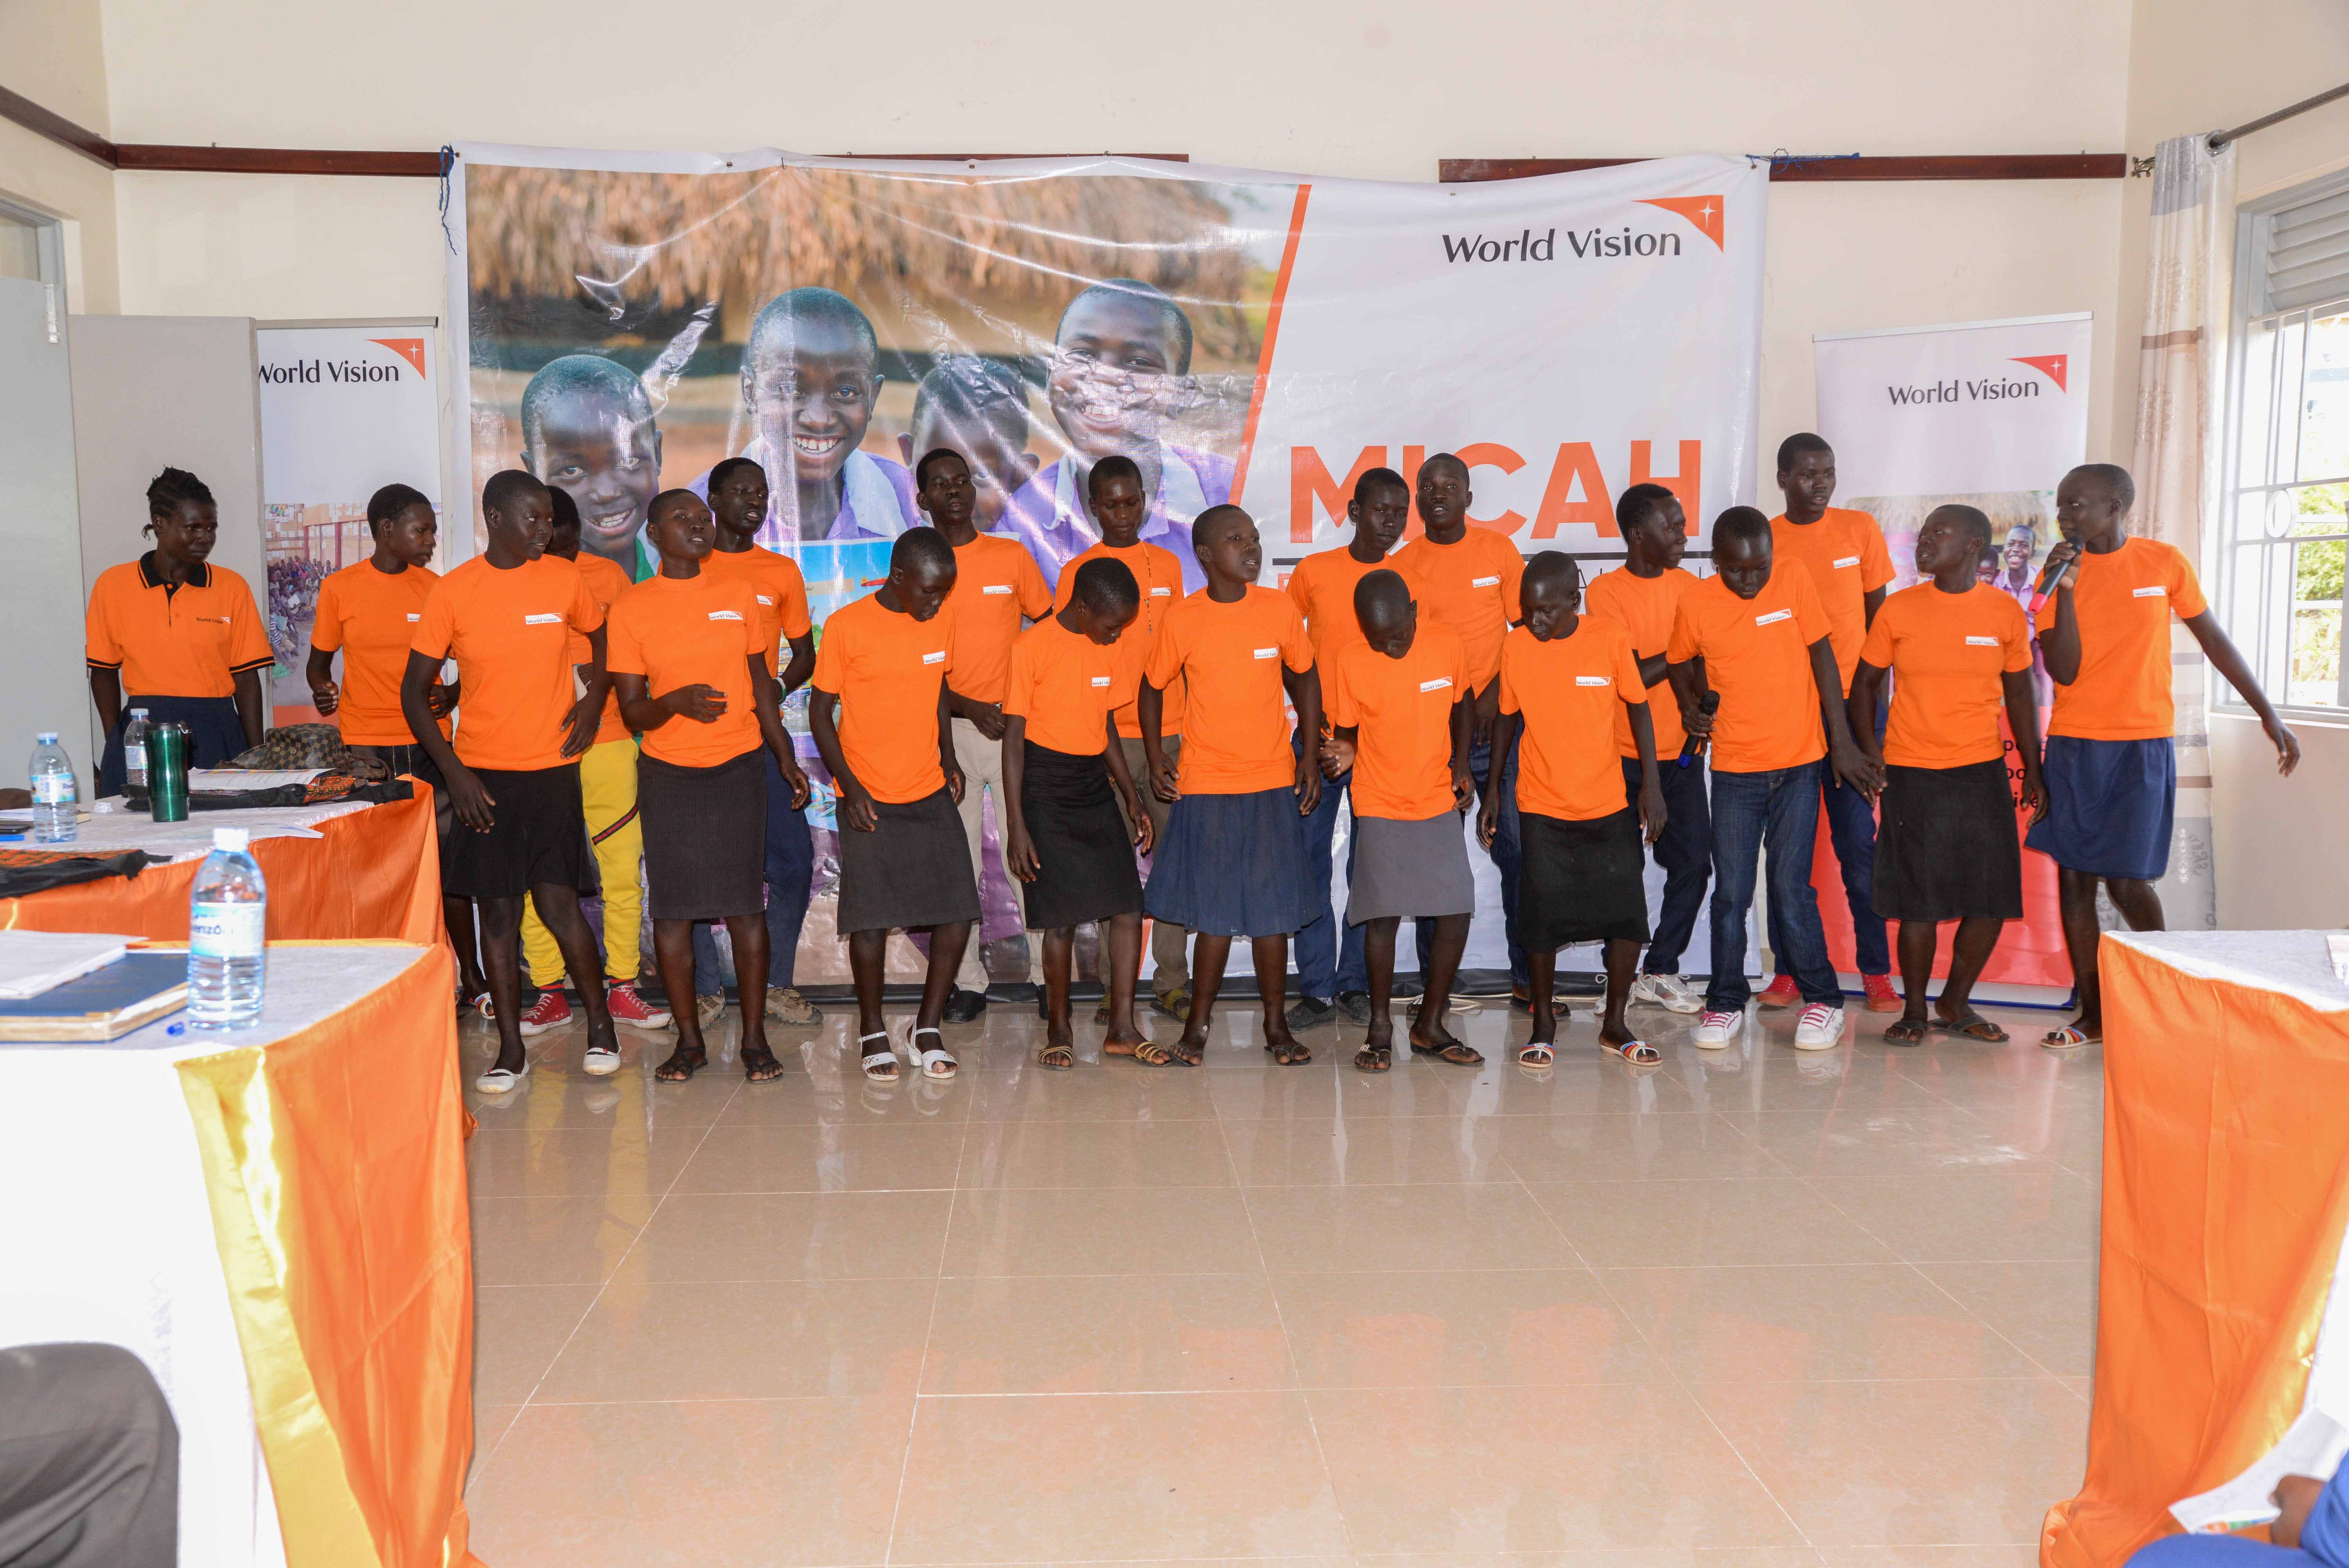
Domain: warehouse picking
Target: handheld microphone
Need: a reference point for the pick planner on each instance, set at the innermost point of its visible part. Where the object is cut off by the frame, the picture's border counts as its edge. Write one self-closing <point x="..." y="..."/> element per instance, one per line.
<point x="1707" y="705"/>
<point x="2049" y="577"/>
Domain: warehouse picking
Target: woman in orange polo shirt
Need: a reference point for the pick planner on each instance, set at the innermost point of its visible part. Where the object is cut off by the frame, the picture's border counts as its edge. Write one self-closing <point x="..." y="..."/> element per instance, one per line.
<point x="177" y="637"/>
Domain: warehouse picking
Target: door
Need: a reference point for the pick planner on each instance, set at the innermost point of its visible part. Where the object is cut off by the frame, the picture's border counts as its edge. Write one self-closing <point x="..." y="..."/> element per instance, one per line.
<point x="41" y="590"/>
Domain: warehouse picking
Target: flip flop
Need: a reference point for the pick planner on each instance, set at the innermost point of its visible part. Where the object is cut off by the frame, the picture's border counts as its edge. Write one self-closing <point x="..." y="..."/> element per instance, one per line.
<point x="1972" y="1026"/>
<point x="936" y="1062"/>
<point x="1445" y="1053"/>
<point x="602" y="1061"/>
<point x="880" y="1066"/>
<point x="1067" y="1058"/>
<point x="1904" y="1032"/>
<point x="1537" y="1056"/>
<point x="1374" y="1059"/>
<point x="2067" y="1038"/>
<point x="499" y="1080"/>
<point x="1635" y="1051"/>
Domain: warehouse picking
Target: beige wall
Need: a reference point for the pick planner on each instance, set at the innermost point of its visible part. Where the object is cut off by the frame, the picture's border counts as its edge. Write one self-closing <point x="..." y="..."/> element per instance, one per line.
<point x="51" y="51"/>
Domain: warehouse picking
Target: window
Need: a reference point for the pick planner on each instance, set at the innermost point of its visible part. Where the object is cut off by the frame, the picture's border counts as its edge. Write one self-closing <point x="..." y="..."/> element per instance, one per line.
<point x="2287" y="503"/>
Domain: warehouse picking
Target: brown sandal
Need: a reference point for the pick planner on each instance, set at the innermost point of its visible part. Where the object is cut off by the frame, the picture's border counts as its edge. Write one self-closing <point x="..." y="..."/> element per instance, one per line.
<point x="1292" y="1055"/>
<point x="1458" y="1053"/>
<point x="1374" y="1059"/>
<point x="1059" y="1059"/>
<point x="1151" y="1054"/>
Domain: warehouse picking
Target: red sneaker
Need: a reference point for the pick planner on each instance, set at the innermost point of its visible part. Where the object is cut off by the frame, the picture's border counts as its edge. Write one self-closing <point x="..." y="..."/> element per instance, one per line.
<point x="631" y="1011"/>
<point x="1782" y="992"/>
<point x="1881" y="996"/>
<point x="551" y="1011"/>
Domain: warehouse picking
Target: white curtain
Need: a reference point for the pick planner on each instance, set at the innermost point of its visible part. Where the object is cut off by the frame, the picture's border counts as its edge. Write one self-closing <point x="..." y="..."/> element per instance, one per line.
<point x="2180" y="414"/>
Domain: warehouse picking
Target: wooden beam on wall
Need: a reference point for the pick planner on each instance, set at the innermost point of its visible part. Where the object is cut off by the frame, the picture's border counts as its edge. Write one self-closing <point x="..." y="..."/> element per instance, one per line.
<point x="1960" y="166"/>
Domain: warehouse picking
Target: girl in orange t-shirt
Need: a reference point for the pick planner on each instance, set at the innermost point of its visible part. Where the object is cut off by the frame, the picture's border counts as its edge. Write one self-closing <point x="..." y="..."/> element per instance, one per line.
<point x="690" y="646"/>
<point x="1234" y="861"/>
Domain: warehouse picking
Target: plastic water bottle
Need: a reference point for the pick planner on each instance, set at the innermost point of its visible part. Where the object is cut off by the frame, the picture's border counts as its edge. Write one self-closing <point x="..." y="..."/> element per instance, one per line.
<point x="228" y="913"/>
<point x="134" y="750"/>
<point x="54" y="821"/>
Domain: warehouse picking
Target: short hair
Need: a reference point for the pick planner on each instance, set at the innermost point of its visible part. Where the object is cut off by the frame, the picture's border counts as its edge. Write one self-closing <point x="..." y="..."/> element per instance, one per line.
<point x="1371" y="477"/>
<point x="929" y="460"/>
<point x="1633" y="506"/>
<point x="1795" y="445"/>
<point x="1740" y="522"/>
<point x="971" y="389"/>
<point x="1116" y="466"/>
<point x="172" y="489"/>
<point x="652" y="507"/>
<point x="919" y="547"/>
<point x="510" y="485"/>
<point x="1976" y="521"/>
<point x="1455" y="459"/>
<point x="2023" y="531"/>
<point x="1178" y="325"/>
<point x="2124" y="488"/>
<point x="777" y="316"/>
<point x="1552" y="563"/>
<point x="1202" y="525"/>
<point x="723" y="469"/>
<point x="580" y="373"/>
<point x="389" y="502"/>
<point x="1107" y="585"/>
<point x="1379" y="590"/>
<point x="566" y="509"/>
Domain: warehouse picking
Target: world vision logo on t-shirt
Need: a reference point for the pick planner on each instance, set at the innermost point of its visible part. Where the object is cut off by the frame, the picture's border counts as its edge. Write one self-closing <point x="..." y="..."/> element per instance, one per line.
<point x="726" y="614"/>
<point x="1593" y="680"/>
<point x="1981" y="642"/>
<point x="937" y="658"/>
<point x="1101" y="680"/>
<point x="541" y="619"/>
<point x="1774" y="615"/>
<point x="1441" y="683"/>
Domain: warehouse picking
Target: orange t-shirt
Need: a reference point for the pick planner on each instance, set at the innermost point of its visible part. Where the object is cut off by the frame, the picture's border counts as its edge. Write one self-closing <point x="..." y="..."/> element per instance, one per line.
<point x="1065" y="686"/>
<point x="701" y="630"/>
<point x="2122" y="601"/>
<point x="1645" y="606"/>
<point x="1569" y="690"/>
<point x="996" y="583"/>
<point x="886" y="667"/>
<point x="1471" y="587"/>
<point x="1946" y="652"/>
<point x="1160" y="576"/>
<point x="1237" y="738"/>
<point x="606" y="580"/>
<point x="1757" y="655"/>
<point x="1323" y="587"/>
<point x="371" y="617"/>
<point x="1844" y="553"/>
<point x="190" y="641"/>
<point x="510" y="633"/>
<point x="1402" y="713"/>
<point x="777" y="585"/>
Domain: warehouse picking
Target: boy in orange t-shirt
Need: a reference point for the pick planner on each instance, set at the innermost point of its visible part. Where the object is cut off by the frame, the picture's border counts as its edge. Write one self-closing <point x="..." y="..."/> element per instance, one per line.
<point x="1956" y="648"/>
<point x="1763" y="645"/>
<point x="2111" y="769"/>
<point x="1330" y="978"/>
<point x="1233" y="863"/>
<point x="1844" y="553"/>
<point x="1399" y="708"/>
<point x="884" y="662"/>
<point x="1565" y="679"/>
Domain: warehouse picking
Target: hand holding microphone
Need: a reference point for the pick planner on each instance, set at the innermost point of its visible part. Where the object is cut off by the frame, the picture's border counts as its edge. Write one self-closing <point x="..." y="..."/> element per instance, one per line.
<point x="1706" y="707"/>
<point x="2063" y="563"/>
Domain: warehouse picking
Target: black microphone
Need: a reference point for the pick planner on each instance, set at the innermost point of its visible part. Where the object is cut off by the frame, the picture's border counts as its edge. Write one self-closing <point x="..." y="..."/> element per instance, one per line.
<point x="1707" y="705"/>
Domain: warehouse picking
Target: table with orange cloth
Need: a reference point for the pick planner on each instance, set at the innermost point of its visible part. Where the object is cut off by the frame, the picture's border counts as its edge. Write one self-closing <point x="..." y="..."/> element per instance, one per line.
<point x="372" y="871"/>
<point x="2226" y="1190"/>
<point x="274" y="1220"/>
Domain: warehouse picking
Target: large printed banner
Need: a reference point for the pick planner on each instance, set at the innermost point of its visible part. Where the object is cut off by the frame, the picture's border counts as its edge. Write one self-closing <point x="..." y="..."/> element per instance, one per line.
<point x="1990" y="414"/>
<point x="633" y="318"/>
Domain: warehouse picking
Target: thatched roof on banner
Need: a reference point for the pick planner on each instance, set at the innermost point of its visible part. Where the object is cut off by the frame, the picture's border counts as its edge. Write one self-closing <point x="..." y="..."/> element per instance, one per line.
<point x="682" y="239"/>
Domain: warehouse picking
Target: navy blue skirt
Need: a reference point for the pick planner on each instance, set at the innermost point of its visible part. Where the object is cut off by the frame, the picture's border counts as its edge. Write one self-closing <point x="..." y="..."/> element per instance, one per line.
<point x="215" y="733"/>
<point x="2110" y="804"/>
<point x="1234" y="865"/>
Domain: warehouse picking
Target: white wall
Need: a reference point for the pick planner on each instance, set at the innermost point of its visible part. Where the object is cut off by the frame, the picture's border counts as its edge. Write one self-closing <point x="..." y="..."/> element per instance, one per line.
<point x="50" y="52"/>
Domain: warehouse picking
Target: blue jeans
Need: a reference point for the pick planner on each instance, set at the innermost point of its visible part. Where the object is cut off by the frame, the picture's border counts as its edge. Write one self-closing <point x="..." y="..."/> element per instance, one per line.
<point x="1776" y="813"/>
<point x="790" y="868"/>
<point x="1685" y="854"/>
<point x="1507" y="859"/>
<point x="1851" y="828"/>
<point x="1329" y="950"/>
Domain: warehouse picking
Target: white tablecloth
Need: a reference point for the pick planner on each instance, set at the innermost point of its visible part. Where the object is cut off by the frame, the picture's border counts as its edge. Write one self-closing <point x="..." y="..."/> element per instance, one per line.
<point x="108" y="1236"/>
<point x="112" y="832"/>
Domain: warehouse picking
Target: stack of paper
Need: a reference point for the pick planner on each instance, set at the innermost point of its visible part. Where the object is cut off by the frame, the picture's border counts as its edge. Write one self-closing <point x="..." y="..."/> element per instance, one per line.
<point x="31" y="962"/>
<point x="232" y="780"/>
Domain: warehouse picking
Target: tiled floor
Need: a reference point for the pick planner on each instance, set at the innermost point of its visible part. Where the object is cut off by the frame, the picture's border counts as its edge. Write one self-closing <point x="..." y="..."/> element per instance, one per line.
<point x="1750" y="1309"/>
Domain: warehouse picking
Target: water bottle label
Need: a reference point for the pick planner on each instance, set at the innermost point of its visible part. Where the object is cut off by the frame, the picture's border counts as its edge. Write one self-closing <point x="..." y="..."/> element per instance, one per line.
<point x="135" y="756"/>
<point x="53" y="790"/>
<point x="227" y="930"/>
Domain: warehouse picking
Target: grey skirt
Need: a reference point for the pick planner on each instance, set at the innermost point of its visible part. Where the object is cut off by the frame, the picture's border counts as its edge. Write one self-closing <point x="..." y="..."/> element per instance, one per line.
<point x="1418" y="870"/>
<point x="913" y="870"/>
<point x="705" y="831"/>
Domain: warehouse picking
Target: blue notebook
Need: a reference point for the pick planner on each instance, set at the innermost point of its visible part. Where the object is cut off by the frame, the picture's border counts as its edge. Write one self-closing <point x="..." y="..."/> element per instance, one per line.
<point x="104" y="1005"/>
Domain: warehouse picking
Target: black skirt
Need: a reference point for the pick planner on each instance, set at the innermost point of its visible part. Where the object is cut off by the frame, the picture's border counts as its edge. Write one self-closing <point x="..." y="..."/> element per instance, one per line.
<point x="913" y="870"/>
<point x="705" y="832"/>
<point x="537" y="837"/>
<point x="1083" y="853"/>
<point x="1580" y="882"/>
<point x="1945" y="845"/>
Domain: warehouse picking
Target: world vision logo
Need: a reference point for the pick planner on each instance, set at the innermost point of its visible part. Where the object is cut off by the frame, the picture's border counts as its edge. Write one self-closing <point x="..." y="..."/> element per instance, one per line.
<point x="1597" y="244"/>
<point x="408" y="348"/>
<point x="1998" y="387"/>
<point x="347" y="372"/>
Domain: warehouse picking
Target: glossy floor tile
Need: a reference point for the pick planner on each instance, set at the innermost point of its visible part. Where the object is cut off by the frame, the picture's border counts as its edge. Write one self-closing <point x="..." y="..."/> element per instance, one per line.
<point x="1752" y="1309"/>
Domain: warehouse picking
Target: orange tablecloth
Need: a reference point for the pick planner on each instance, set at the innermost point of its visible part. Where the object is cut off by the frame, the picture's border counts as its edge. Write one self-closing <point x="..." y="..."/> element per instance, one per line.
<point x="2225" y="1191"/>
<point x="335" y="1165"/>
<point x="375" y="873"/>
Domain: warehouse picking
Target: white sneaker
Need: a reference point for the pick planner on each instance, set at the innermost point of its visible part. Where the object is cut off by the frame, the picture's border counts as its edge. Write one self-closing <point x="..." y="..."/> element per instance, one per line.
<point x="1715" y="1030"/>
<point x="1669" y="992"/>
<point x="1820" y="1028"/>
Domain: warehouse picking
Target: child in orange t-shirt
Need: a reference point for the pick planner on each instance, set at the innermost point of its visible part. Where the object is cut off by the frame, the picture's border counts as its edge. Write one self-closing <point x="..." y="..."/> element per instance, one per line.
<point x="691" y="644"/>
<point x="1399" y="701"/>
<point x="1763" y="643"/>
<point x="885" y="661"/>
<point x="2112" y="768"/>
<point x="1233" y="863"/>
<point x="1564" y="678"/>
<point x="1956" y="648"/>
<point x="1064" y="775"/>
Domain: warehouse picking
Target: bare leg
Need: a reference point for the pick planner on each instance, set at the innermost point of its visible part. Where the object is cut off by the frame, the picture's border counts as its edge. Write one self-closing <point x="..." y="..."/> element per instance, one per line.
<point x="1428" y="1035"/>
<point x="1271" y="956"/>
<point x="457" y="914"/>
<point x="2076" y="896"/>
<point x="2138" y="901"/>
<point x="1622" y="964"/>
<point x="558" y="906"/>
<point x="1977" y="938"/>
<point x="947" y="944"/>
<point x="749" y="933"/>
<point x="1917" y="942"/>
<point x="868" y="956"/>
<point x="1542" y="970"/>
<point x="502" y="967"/>
<point x="1060" y="1040"/>
<point x="1208" y="957"/>
<point x="1122" y="964"/>
<point x="673" y="953"/>
<point x="1378" y="962"/>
